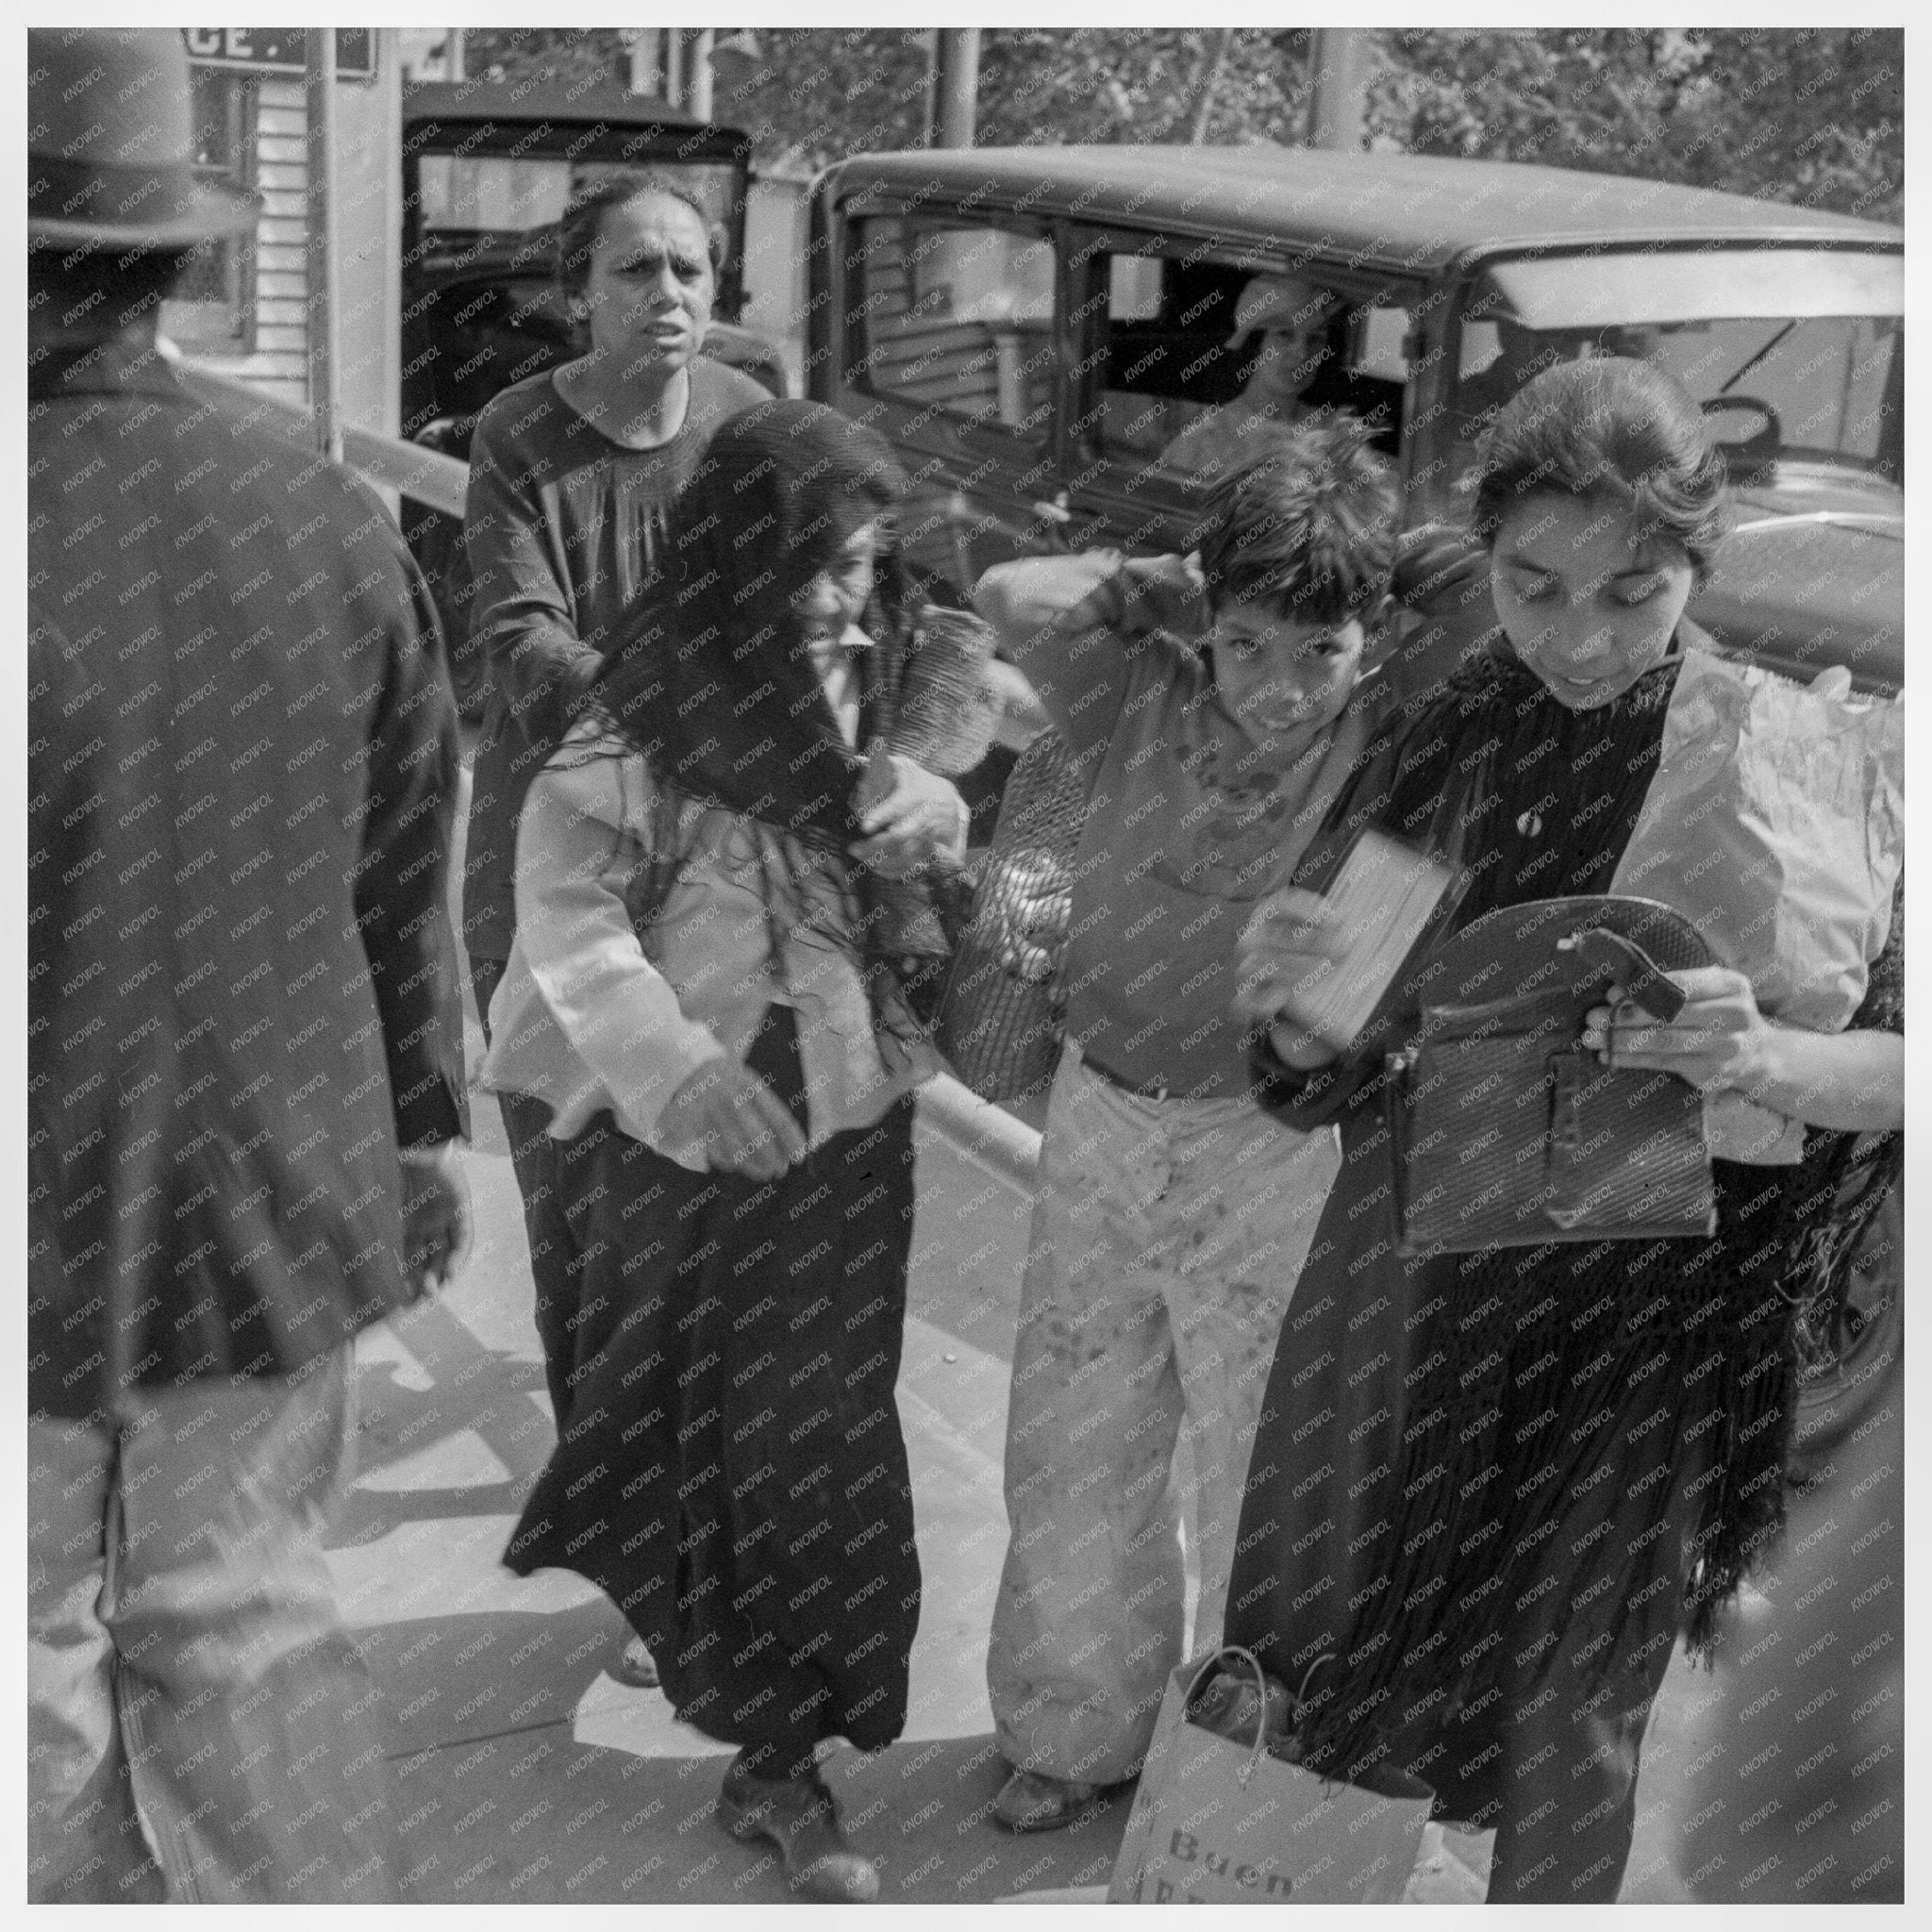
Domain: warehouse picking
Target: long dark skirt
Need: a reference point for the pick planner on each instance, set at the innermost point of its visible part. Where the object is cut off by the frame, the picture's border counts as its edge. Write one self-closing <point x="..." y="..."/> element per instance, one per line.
<point x="732" y="1475"/>
<point x="1548" y="1554"/>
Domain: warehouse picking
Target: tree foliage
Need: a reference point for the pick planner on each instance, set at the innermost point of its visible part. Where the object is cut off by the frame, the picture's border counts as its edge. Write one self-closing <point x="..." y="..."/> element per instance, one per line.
<point x="1811" y="115"/>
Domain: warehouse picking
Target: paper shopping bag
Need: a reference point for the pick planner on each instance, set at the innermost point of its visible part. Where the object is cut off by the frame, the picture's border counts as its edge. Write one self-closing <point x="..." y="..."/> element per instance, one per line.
<point x="1218" y="1821"/>
<point x="1775" y="822"/>
<point x="1776" y="825"/>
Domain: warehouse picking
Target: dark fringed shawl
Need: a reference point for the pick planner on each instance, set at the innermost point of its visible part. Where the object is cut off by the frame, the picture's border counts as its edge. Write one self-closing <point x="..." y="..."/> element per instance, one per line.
<point x="1671" y="1361"/>
<point x="744" y="725"/>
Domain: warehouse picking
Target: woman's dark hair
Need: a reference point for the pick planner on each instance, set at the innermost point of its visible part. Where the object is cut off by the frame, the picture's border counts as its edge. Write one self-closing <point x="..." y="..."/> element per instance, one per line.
<point x="1307" y="522"/>
<point x="712" y="683"/>
<point x="777" y="495"/>
<point x="780" y="491"/>
<point x="583" y="220"/>
<point x="1615" y="428"/>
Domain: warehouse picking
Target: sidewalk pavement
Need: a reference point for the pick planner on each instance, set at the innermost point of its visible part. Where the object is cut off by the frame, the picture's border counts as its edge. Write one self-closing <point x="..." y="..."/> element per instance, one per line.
<point x="528" y="1773"/>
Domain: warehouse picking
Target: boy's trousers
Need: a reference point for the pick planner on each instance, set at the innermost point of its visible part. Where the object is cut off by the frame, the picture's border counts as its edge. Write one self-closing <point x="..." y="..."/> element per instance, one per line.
<point x="1166" y="1237"/>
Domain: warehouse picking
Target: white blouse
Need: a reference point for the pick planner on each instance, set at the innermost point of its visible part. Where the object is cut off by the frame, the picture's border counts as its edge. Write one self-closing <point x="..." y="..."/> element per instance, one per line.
<point x="584" y="1019"/>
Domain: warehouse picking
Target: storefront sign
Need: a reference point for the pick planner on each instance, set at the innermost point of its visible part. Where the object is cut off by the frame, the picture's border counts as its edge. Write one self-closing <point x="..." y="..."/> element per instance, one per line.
<point x="278" y="49"/>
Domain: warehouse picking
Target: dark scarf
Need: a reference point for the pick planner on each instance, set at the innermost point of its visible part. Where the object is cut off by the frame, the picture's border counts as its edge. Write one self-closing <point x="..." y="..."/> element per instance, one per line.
<point x="1468" y="779"/>
<point x="744" y="725"/>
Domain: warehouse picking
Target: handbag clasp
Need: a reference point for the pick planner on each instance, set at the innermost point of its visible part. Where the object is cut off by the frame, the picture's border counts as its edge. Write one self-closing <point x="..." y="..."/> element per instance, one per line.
<point x="1645" y="983"/>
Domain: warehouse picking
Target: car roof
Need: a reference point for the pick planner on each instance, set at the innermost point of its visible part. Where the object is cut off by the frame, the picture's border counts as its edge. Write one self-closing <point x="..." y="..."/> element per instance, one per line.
<point x="1412" y="212"/>
<point x="482" y="98"/>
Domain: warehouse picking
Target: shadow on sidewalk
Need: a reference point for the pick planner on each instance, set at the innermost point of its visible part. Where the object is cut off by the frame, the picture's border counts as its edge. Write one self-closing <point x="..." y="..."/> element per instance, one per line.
<point x="543" y="1816"/>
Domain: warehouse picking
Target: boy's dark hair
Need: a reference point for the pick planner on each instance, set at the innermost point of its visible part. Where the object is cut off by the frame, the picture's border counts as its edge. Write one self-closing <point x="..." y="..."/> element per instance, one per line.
<point x="583" y="220"/>
<point x="1616" y="428"/>
<point x="1307" y="522"/>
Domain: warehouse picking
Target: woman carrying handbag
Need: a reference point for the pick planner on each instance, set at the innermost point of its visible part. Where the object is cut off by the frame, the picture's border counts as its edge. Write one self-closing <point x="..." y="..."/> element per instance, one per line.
<point x="1517" y="1467"/>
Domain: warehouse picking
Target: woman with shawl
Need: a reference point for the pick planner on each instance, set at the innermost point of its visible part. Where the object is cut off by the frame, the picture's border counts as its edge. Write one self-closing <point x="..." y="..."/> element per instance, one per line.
<point x="713" y="888"/>
<point x="1490" y="1488"/>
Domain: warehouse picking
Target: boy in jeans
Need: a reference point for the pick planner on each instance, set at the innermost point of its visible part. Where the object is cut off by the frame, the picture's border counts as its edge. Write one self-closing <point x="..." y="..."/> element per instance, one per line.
<point x="1213" y="709"/>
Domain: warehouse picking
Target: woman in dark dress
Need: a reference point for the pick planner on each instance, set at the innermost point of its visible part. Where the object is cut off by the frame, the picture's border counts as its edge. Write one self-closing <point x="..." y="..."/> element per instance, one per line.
<point x="1490" y="1488"/>
<point x="572" y="472"/>
<point x="704" y="991"/>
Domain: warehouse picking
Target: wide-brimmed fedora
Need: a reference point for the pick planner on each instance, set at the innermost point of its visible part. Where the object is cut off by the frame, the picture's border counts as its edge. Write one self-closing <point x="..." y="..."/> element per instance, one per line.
<point x="110" y="143"/>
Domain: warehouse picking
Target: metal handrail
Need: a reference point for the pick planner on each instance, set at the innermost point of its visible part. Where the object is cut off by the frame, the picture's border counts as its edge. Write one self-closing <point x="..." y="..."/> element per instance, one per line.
<point x="441" y="482"/>
<point x="425" y="474"/>
<point x="999" y="1142"/>
<point x="1003" y="1144"/>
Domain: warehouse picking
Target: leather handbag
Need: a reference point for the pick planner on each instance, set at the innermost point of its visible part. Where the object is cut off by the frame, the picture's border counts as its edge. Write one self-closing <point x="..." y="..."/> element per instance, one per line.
<point x="1507" y="1131"/>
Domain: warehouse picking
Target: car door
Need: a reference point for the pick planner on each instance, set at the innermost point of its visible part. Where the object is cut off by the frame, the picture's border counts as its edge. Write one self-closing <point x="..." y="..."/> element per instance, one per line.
<point x="946" y="340"/>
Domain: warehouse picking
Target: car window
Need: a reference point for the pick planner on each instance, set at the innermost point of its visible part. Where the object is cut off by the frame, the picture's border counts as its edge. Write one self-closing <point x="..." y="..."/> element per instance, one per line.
<point x="1806" y="389"/>
<point x="1183" y="353"/>
<point x="1161" y="356"/>
<point x="957" y="318"/>
<point x="491" y="333"/>
<point x="498" y="195"/>
<point x="1794" y="352"/>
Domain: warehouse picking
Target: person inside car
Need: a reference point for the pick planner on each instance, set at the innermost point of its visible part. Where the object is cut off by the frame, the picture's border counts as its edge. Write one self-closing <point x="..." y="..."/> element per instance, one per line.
<point x="1291" y="317"/>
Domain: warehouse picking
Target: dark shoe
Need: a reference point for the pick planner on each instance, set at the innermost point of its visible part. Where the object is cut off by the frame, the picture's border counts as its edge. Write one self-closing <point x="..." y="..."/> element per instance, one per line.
<point x="1032" y="1801"/>
<point x="799" y="1816"/>
<point x="637" y="1666"/>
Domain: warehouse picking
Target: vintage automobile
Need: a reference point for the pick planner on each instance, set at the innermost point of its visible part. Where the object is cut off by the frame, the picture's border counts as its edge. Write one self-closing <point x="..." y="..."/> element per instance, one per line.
<point x="487" y="169"/>
<point x="1033" y="327"/>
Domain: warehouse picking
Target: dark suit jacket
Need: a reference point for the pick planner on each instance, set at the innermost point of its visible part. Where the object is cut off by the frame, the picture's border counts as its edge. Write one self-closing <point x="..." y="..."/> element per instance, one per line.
<point x="243" y="985"/>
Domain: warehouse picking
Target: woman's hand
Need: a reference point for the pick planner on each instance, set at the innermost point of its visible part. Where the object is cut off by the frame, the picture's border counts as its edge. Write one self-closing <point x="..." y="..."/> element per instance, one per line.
<point x="740" y="1125"/>
<point x="1291" y="939"/>
<point x="1719" y="1042"/>
<point x="919" y="817"/>
<point x="1853" y="1082"/>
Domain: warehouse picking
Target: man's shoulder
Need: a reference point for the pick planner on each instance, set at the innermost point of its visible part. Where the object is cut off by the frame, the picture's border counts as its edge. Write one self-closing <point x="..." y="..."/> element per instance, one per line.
<point x="250" y="426"/>
<point x="237" y="458"/>
<point x="262" y="442"/>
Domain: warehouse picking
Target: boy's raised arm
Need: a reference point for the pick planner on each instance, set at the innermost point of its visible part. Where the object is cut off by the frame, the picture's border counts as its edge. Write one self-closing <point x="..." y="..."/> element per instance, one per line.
<point x="1069" y="623"/>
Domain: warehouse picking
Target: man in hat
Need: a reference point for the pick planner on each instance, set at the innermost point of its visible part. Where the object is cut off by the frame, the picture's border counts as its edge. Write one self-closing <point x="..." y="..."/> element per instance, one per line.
<point x="245" y="1064"/>
<point x="1291" y="317"/>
